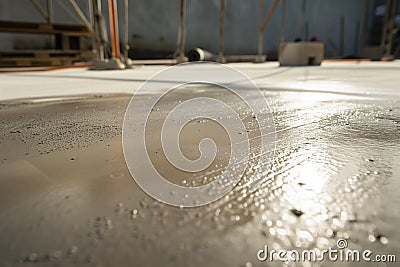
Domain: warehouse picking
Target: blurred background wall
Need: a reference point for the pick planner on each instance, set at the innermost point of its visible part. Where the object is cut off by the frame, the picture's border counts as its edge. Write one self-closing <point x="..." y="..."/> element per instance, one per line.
<point x="153" y="24"/>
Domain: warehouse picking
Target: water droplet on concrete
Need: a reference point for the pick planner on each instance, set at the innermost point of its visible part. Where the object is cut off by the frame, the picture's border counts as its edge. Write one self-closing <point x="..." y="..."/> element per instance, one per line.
<point x="134" y="212"/>
<point x="235" y="218"/>
<point x="383" y="239"/>
<point x="371" y="238"/>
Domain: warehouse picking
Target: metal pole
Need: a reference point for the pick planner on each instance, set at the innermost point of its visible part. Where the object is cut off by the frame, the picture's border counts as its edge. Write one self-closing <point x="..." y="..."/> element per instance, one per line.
<point x="95" y="46"/>
<point x="221" y="32"/>
<point x="282" y="39"/>
<point x="40" y="10"/>
<point x="260" y="32"/>
<point x="182" y="33"/>
<point x="82" y="16"/>
<point x="269" y="15"/>
<point x="112" y="9"/>
<point x="126" y="32"/>
<point x="385" y="24"/>
<point x="91" y="16"/>
<point x="49" y="11"/>
<point x="99" y="28"/>
<point x="390" y="29"/>
<point x="260" y="57"/>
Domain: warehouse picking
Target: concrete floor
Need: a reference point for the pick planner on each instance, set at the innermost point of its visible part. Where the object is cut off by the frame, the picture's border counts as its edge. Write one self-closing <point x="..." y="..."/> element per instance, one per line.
<point x="67" y="198"/>
<point x="365" y="78"/>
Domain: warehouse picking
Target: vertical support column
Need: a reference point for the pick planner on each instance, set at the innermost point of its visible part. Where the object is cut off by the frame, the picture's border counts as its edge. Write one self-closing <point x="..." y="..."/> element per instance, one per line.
<point x="182" y="33"/>
<point x="385" y="24"/>
<point x="221" y="57"/>
<point x="112" y="8"/>
<point x="390" y="29"/>
<point x="91" y="13"/>
<point x="100" y="34"/>
<point x="50" y="11"/>
<point x="126" y="32"/>
<point x="260" y="58"/>
<point x="92" y="22"/>
<point x="114" y="63"/>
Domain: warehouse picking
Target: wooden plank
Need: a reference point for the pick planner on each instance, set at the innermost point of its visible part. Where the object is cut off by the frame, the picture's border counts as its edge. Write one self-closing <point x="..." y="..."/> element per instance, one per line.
<point x="48" y="53"/>
<point x="38" y="58"/>
<point x="43" y="28"/>
<point x="31" y="61"/>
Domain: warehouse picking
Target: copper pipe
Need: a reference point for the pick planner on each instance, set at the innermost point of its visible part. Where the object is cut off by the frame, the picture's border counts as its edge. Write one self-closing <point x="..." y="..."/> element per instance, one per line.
<point x="112" y="8"/>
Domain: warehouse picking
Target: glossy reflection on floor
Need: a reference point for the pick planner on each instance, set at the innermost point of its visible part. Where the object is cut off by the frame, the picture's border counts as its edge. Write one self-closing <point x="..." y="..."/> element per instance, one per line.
<point x="67" y="197"/>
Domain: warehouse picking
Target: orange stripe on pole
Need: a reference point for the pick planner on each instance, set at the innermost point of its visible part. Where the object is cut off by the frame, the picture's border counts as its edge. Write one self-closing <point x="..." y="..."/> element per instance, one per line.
<point x="112" y="8"/>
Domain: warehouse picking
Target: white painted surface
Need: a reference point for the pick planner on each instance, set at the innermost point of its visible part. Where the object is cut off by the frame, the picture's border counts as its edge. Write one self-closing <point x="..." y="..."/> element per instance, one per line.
<point x="366" y="78"/>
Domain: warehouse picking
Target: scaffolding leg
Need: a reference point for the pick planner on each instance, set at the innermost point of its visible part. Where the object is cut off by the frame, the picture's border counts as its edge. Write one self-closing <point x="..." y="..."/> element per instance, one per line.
<point x="221" y="57"/>
<point x="114" y="63"/>
<point x="260" y="57"/>
<point x="126" y="34"/>
<point x="181" y="34"/>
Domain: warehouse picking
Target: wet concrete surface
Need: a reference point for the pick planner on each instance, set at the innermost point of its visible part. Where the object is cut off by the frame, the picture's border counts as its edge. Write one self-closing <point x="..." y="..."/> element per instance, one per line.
<point x="67" y="198"/>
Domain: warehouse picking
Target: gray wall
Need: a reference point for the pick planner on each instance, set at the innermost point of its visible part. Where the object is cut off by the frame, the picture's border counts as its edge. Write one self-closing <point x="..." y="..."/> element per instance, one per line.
<point x="153" y="24"/>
